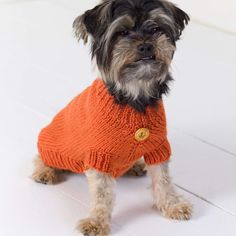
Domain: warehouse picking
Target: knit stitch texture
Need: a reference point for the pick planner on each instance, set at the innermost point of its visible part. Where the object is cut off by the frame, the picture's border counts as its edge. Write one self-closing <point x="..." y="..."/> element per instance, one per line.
<point x="93" y="131"/>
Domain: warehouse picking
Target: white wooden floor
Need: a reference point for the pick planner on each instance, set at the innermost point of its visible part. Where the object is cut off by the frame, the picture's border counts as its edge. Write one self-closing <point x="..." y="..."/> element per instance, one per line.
<point x="42" y="67"/>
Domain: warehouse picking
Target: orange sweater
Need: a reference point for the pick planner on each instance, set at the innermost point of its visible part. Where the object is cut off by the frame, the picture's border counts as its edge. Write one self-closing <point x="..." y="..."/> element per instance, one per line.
<point x="92" y="131"/>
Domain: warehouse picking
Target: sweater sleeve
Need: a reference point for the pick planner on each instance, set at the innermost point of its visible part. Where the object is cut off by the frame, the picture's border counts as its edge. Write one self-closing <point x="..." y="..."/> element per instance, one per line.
<point x="160" y="155"/>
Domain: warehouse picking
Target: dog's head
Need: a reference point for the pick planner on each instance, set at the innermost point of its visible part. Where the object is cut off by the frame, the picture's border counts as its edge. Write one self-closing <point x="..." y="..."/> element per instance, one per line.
<point x="133" y="42"/>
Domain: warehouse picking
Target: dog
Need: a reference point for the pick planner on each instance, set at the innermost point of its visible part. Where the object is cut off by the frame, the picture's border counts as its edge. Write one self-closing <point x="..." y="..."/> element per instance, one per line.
<point x="133" y="43"/>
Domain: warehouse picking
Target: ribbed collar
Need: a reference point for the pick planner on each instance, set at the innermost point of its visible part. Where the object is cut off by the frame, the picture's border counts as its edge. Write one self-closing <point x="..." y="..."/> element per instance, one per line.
<point x="124" y="114"/>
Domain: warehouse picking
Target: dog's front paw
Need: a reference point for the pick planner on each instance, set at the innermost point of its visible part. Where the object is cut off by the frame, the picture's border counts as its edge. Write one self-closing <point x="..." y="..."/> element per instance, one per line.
<point x="46" y="176"/>
<point x="92" y="227"/>
<point x="177" y="210"/>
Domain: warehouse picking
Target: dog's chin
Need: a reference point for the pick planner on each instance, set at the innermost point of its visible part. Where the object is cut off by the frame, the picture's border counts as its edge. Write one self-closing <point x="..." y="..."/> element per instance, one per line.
<point x="146" y="69"/>
<point x="148" y="61"/>
<point x="146" y="64"/>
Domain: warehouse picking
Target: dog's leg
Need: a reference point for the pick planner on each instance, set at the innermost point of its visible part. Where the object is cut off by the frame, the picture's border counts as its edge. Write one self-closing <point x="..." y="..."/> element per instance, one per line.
<point x="102" y="200"/>
<point x="138" y="169"/>
<point x="44" y="174"/>
<point x="166" y="200"/>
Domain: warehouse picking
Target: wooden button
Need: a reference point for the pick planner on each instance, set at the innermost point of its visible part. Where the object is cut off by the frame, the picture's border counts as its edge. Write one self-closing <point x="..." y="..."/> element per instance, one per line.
<point x="142" y="134"/>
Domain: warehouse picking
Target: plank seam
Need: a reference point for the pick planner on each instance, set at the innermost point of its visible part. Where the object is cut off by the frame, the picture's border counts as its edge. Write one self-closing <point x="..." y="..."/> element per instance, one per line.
<point x="205" y="200"/>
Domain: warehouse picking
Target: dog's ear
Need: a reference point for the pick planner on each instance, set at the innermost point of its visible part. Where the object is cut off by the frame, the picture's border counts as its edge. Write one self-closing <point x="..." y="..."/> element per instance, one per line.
<point x="181" y="20"/>
<point x="80" y="29"/>
<point x="93" y="22"/>
<point x="180" y="17"/>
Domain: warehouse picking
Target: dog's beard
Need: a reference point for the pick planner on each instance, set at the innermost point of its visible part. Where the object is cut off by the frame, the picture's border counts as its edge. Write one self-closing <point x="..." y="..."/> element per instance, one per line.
<point x="139" y="94"/>
<point x="138" y="79"/>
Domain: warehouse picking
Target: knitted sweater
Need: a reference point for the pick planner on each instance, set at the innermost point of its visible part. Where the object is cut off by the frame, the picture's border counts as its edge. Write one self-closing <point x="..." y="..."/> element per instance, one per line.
<point x="93" y="131"/>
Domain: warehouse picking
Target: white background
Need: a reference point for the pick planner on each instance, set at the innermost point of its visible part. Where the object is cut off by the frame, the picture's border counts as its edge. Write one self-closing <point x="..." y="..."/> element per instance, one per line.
<point x="216" y="13"/>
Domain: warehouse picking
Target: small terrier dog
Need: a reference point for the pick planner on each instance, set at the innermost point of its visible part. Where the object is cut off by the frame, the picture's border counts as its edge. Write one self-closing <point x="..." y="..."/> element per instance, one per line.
<point x="133" y="43"/>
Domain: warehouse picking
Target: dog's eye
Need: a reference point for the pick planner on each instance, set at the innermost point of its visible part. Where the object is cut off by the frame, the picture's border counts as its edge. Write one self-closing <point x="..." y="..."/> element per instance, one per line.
<point x="155" y="30"/>
<point x="124" y="32"/>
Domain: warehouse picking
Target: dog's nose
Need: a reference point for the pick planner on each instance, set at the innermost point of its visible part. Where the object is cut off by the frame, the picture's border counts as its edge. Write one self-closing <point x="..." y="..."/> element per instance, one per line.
<point x="146" y="49"/>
